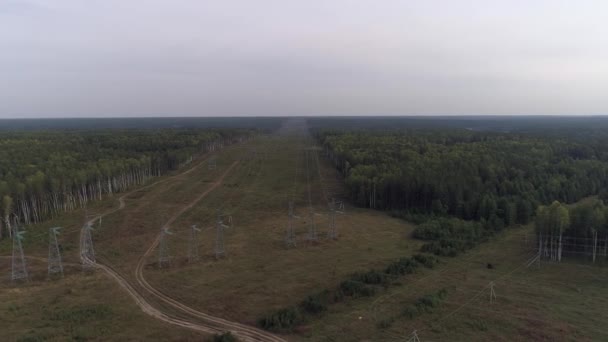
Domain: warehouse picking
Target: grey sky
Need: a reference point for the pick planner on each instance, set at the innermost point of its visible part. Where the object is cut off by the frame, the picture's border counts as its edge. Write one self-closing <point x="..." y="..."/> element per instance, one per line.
<point x="314" y="57"/>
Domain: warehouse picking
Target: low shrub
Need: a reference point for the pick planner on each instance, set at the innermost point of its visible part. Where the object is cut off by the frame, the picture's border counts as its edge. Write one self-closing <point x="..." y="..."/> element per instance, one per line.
<point x="361" y="284"/>
<point x="315" y="304"/>
<point x="428" y="261"/>
<point x="451" y="236"/>
<point x="410" y="311"/>
<point x="282" y="320"/>
<point x="402" y="266"/>
<point x="424" y="304"/>
<point x="80" y="315"/>
<point x="385" y="323"/>
<point x="355" y="289"/>
<point x="372" y="277"/>
<point x="225" y="337"/>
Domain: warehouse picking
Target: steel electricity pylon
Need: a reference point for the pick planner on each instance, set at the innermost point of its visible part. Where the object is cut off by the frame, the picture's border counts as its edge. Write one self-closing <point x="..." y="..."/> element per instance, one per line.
<point x="163" y="247"/>
<point x="219" y="235"/>
<point x="18" y="264"/>
<point x="212" y="164"/>
<point x="312" y="227"/>
<point x="334" y="208"/>
<point x="193" y="244"/>
<point x="290" y="234"/>
<point x="87" y="252"/>
<point x="55" y="265"/>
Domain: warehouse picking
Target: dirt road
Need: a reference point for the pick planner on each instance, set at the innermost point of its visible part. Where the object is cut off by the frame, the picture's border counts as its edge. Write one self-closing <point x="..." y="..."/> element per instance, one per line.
<point x="201" y="321"/>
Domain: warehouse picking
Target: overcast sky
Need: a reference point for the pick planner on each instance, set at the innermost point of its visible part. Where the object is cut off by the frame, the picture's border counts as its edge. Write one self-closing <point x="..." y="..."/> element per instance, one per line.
<point x="293" y="57"/>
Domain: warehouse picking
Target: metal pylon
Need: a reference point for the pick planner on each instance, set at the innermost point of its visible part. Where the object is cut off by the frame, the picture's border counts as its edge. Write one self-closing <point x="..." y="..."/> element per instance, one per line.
<point x="163" y="247"/>
<point x="87" y="252"/>
<point x="193" y="244"/>
<point x="333" y="232"/>
<point x="290" y="234"/>
<point x="54" y="262"/>
<point x="18" y="265"/>
<point x="339" y="205"/>
<point x="219" y="236"/>
<point x="312" y="228"/>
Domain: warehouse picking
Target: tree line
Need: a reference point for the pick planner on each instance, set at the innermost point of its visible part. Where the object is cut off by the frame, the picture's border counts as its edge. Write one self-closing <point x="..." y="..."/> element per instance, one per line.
<point x="493" y="177"/>
<point x="43" y="173"/>
<point x="578" y="230"/>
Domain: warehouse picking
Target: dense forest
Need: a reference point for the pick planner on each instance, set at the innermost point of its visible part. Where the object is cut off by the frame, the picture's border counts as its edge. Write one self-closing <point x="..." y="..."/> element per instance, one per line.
<point x="43" y="173"/>
<point x="546" y="125"/>
<point x="259" y="123"/>
<point x="495" y="178"/>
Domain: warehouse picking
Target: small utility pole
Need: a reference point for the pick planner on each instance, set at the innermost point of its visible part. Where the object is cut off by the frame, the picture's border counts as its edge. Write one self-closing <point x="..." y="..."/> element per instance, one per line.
<point x="193" y="244"/>
<point x="54" y="262"/>
<point x="492" y="293"/>
<point x="413" y="337"/>
<point x="18" y="267"/>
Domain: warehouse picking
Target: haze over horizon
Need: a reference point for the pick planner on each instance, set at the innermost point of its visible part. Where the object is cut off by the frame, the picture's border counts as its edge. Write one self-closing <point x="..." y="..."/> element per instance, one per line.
<point x="279" y="58"/>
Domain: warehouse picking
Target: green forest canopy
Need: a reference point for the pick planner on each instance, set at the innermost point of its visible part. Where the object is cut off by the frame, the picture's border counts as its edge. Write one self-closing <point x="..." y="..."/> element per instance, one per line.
<point x="45" y="172"/>
<point x="491" y="176"/>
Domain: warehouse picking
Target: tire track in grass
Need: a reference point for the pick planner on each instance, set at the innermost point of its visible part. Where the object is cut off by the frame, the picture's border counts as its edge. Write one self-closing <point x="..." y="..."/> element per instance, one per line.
<point x="209" y="324"/>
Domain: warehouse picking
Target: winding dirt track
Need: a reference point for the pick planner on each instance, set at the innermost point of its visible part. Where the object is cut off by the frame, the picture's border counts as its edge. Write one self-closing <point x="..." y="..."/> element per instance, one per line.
<point x="202" y="322"/>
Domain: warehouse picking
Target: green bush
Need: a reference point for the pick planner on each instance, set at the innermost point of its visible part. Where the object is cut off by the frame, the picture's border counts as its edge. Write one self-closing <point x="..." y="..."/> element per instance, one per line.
<point x="282" y="320"/>
<point x="402" y="266"/>
<point x="385" y="323"/>
<point x="315" y="304"/>
<point x="225" y="337"/>
<point x="428" y="261"/>
<point x="451" y="236"/>
<point x="361" y="284"/>
<point x="355" y="289"/>
<point x="371" y="277"/>
<point x="410" y="311"/>
<point x="82" y="314"/>
<point x="424" y="304"/>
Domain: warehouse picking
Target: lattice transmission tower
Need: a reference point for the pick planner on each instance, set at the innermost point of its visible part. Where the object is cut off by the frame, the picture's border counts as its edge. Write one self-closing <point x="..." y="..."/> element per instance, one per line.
<point x="334" y="208"/>
<point x="87" y="252"/>
<point x="212" y="164"/>
<point x="312" y="228"/>
<point x="54" y="262"/>
<point x="219" y="235"/>
<point x="18" y="264"/>
<point x="290" y="234"/>
<point x="193" y="254"/>
<point x="163" y="247"/>
<point x="332" y="234"/>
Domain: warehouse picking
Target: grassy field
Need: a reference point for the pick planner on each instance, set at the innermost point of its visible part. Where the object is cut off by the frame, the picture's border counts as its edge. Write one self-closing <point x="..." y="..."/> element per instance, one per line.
<point x="259" y="274"/>
<point x="556" y="302"/>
